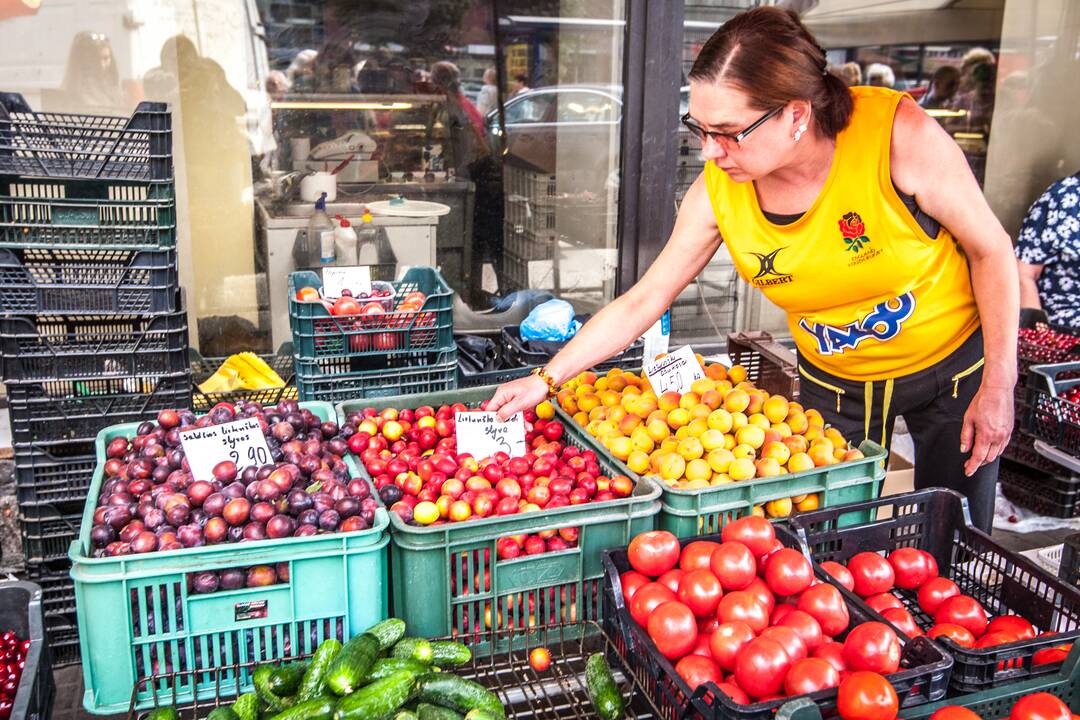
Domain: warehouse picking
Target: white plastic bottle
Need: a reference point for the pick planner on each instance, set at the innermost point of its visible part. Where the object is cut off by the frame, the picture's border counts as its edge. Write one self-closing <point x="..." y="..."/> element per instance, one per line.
<point x="658" y="337"/>
<point x="345" y="245"/>
<point x="320" y="233"/>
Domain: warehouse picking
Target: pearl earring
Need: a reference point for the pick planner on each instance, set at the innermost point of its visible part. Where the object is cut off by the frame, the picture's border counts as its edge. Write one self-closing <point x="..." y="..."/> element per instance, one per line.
<point x="799" y="132"/>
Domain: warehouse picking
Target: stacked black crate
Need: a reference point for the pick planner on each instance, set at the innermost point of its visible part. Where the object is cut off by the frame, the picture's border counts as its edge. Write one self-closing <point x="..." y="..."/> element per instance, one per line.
<point x="93" y="330"/>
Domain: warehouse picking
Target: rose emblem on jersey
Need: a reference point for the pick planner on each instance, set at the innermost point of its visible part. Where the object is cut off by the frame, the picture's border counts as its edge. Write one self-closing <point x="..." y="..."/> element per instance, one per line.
<point x="853" y="231"/>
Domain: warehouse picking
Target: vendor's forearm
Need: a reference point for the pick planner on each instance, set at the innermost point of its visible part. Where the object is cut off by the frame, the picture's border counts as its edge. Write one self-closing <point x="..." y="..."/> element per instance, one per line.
<point x="997" y="294"/>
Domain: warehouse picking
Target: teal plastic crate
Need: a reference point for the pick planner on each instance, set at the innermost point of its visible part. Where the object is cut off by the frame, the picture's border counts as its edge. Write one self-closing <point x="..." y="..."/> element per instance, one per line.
<point x="137" y="619"/>
<point x="697" y="512"/>
<point x="315" y="381"/>
<point x="318" y="334"/>
<point x="446" y="579"/>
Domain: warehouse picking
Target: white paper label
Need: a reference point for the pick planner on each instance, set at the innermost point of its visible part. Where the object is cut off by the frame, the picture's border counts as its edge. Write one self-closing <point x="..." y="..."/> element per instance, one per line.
<point x="241" y="441"/>
<point x="481" y="434"/>
<point x="355" y="279"/>
<point x="675" y="372"/>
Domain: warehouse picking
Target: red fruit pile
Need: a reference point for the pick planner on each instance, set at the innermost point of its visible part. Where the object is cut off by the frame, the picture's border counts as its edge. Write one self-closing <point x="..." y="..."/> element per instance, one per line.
<point x="149" y="500"/>
<point x="1041" y="344"/>
<point x="512" y="546"/>
<point x="412" y="457"/>
<point x="1034" y="706"/>
<point x="747" y="614"/>
<point x="210" y="581"/>
<point x="914" y="574"/>
<point x="13" y="652"/>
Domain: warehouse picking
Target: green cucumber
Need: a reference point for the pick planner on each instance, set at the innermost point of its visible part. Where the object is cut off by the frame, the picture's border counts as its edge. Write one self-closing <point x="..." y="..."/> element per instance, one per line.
<point x="165" y="713"/>
<point x="457" y="693"/>
<point x="223" y="713"/>
<point x="246" y="706"/>
<point x="388" y="632"/>
<point x="603" y="691"/>
<point x="261" y="679"/>
<point x="449" y="653"/>
<point x="385" y="667"/>
<point x="312" y="684"/>
<point x="416" y="648"/>
<point x="285" y="680"/>
<point x="352" y="664"/>
<point x="404" y="714"/>
<point x="378" y="700"/>
<point x="480" y="715"/>
<point x="424" y="711"/>
<point x="317" y="709"/>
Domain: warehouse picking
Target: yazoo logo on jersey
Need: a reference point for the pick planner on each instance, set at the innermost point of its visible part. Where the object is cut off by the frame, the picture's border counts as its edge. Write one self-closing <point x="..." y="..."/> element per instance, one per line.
<point x="882" y="323"/>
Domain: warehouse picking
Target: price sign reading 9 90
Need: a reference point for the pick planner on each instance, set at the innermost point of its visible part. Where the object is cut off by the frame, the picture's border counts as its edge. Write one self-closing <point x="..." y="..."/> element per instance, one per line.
<point x="241" y="441"/>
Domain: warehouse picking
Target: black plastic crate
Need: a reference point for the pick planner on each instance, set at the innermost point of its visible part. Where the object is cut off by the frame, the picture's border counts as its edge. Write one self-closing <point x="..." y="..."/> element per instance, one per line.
<point x="1052" y="418"/>
<point x="56" y="413"/>
<point x="523" y="353"/>
<point x="63" y="632"/>
<point x="21" y="612"/>
<point x="1069" y="568"/>
<point x="436" y="376"/>
<point x="202" y="368"/>
<point x="76" y="347"/>
<point x="57" y="586"/>
<point x="769" y="365"/>
<point x="923" y="675"/>
<point x="490" y="377"/>
<point x="938" y="521"/>
<point x="49" y="529"/>
<point x="60" y="473"/>
<point x="69" y="145"/>
<point x="1043" y="492"/>
<point x="87" y="282"/>
<point x="88" y="214"/>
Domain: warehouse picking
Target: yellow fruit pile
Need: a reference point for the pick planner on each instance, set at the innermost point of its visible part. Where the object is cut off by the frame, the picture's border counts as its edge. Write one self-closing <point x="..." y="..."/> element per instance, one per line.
<point x="723" y="431"/>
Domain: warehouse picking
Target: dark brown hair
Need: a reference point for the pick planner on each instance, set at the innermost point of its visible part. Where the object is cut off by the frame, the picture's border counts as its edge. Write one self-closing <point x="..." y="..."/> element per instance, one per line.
<point x="770" y="55"/>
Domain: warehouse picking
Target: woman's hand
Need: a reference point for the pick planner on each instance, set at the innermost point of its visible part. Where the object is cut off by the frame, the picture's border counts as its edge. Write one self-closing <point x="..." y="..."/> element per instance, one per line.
<point x="989" y="422"/>
<point x="518" y="395"/>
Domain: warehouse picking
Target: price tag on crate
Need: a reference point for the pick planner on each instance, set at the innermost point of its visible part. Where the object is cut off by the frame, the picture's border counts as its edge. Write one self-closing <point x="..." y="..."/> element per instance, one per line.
<point x="357" y="279"/>
<point x="674" y="372"/>
<point x="241" y="441"/>
<point x="481" y="434"/>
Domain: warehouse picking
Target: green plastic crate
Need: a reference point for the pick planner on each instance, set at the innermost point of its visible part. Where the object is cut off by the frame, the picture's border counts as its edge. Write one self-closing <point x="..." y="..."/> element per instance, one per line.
<point x="318" y="334"/>
<point x="439" y="373"/>
<point x="137" y="619"/>
<point x="446" y="579"/>
<point x="698" y="512"/>
<point x="989" y="704"/>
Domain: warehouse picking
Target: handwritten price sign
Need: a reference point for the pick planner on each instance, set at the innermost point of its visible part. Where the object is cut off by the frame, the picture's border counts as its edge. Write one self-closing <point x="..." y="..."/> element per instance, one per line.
<point x="481" y="434"/>
<point x="356" y="279"/>
<point x="241" y="441"/>
<point x="675" y="372"/>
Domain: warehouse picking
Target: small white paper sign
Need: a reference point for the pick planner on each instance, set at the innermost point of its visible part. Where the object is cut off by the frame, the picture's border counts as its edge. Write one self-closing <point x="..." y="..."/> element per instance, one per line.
<point x="356" y="279"/>
<point x="674" y="372"/>
<point x="481" y="434"/>
<point x="241" y="441"/>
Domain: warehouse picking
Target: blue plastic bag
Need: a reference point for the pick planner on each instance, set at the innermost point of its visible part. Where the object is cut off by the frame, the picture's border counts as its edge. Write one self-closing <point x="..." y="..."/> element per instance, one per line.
<point x="552" y="321"/>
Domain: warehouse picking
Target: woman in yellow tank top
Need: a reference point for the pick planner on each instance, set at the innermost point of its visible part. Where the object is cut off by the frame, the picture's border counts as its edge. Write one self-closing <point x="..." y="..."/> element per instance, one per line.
<point x="854" y="212"/>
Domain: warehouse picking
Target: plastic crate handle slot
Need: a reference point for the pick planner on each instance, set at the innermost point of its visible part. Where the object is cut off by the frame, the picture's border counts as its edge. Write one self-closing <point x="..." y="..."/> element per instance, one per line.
<point x="1054" y="455"/>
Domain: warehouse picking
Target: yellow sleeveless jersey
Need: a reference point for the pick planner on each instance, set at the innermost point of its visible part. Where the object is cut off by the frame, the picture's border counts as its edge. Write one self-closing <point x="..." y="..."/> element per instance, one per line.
<point x="868" y="294"/>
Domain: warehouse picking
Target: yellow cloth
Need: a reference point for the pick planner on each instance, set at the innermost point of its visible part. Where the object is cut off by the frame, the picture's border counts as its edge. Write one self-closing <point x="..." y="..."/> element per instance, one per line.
<point x="867" y="293"/>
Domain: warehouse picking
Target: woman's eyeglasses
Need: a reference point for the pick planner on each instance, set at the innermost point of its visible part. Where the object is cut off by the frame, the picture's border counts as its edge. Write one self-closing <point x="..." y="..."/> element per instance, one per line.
<point x="724" y="137"/>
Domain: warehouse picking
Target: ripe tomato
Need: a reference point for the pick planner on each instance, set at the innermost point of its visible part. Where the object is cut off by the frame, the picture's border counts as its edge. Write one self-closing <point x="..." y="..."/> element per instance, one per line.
<point x="671" y="579"/>
<point x="741" y="605"/>
<point x="832" y="652"/>
<point x="707" y="626"/>
<point x="805" y="626"/>
<point x="697" y="670"/>
<point x="990" y="639"/>
<point x="867" y="696"/>
<point x="872" y="573"/>
<point x="826" y="605"/>
<point x="810" y="675"/>
<point x="631" y="582"/>
<point x="701" y="645"/>
<point x="700" y="591"/>
<point x="764" y="595"/>
<point x="883" y="601"/>
<point x="763" y="561"/>
<point x="761" y="667"/>
<point x="646" y="599"/>
<point x="345" y="306"/>
<point x="307" y="294"/>
<point x="965" y="611"/>
<point x="734" y="692"/>
<point x="695" y="556"/>
<point x="911" y="567"/>
<point x="653" y="553"/>
<point x="959" y="635"/>
<point x="752" y="531"/>
<point x="728" y="641"/>
<point x="673" y="628"/>
<point x="840" y="573"/>
<point x="780" y="612"/>
<point x="936" y="591"/>
<point x="1040" y="706"/>
<point x="733" y="564"/>
<point x="955" y="712"/>
<point x="788" y="572"/>
<point x="872" y="646"/>
<point x="1050" y="655"/>
<point x="1018" y="626"/>
<point x="902" y="621"/>
<point x="788" y="639"/>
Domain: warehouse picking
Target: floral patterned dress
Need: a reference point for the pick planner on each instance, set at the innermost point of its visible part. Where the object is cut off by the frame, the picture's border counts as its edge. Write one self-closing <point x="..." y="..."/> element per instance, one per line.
<point x="1050" y="237"/>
